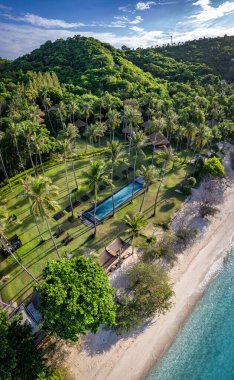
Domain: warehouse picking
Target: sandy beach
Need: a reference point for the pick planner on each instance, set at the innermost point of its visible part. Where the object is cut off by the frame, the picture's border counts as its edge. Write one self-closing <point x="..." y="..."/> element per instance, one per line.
<point x="110" y="357"/>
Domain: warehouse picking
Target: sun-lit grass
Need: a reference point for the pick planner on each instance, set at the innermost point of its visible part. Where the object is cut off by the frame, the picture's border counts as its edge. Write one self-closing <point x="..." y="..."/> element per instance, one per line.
<point x="35" y="255"/>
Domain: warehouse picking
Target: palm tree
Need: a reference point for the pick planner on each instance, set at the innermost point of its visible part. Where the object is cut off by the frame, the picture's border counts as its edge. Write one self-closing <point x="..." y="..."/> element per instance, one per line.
<point x="134" y="226"/>
<point x="138" y="141"/>
<point x="4" y="240"/>
<point x="162" y="174"/>
<point x="165" y="156"/>
<point x="14" y="131"/>
<point x="2" y="135"/>
<point x="27" y="187"/>
<point x="149" y="175"/>
<point x="64" y="147"/>
<point x="97" y="175"/>
<point x="113" y="119"/>
<point x="132" y="116"/>
<point x="71" y="133"/>
<point x="42" y="196"/>
<point x="86" y="110"/>
<point x="28" y="130"/>
<point x="116" y="154"/>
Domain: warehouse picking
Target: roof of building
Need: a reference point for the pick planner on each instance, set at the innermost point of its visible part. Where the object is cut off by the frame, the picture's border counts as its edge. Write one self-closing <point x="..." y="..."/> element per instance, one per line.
<point x="79" y="123"/>
<point x="158" y="139"/>
<point x="112" y="252"/>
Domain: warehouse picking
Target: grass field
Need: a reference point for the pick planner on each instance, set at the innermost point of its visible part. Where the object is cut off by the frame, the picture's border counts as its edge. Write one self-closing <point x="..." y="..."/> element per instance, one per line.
<point x="18" y="285"/>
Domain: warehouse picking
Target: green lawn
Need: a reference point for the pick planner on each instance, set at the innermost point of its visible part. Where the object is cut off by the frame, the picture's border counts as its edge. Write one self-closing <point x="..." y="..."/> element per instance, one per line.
<point x="35" y="255"/>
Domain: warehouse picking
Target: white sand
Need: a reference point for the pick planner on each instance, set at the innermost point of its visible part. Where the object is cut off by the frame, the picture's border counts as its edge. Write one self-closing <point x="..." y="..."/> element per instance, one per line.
<point x="106" y="356"/>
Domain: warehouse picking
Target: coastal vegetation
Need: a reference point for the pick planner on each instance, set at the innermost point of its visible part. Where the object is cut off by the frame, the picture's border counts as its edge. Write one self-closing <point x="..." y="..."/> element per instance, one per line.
<point x="79" y="120"/>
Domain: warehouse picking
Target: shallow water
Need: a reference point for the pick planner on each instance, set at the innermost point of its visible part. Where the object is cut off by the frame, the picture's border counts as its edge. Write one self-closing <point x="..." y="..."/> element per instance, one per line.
<point x="204" y="348"/>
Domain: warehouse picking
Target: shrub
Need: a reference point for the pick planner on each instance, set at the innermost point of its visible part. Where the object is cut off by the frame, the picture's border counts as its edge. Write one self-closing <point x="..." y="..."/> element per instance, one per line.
<point x="186" y="234"/>
<point x="186" y="190"/>
<point x="206" y="210"/>
<point x="213" y="167"/>
<point x="191" y="181"/>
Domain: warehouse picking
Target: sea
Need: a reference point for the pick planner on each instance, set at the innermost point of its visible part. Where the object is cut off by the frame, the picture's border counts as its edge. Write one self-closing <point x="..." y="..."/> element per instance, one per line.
<point x="204" y="347"/>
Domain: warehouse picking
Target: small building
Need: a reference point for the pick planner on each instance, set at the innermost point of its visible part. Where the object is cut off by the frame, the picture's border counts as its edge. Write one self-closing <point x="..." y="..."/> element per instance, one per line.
<point x="80" y="124"/>
<point x="112" y="254"/>
<point x="158" y="140"/>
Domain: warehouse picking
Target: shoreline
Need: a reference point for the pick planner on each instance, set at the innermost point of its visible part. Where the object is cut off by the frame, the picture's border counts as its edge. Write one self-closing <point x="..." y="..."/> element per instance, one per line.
<point x="109" y="357"/>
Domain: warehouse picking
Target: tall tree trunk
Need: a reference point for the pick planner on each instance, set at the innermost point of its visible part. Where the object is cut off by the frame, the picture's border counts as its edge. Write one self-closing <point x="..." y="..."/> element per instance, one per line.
<point x="18" y="153"/>
<point x="113" y="201"/>
<point x="134" y="175"/>
<point x="30" y="155"/>
<point x="156" y="198"/>
<point x="3" y="241"/>
<point x="52" y="238"/>
<point x="143" y="199"/>
<point x="67" y="184"/>
<point x="86" y="129"/>
<point x="42" y="167"/>
<point x="95" y="210"/>
<point x="4" y="170"/>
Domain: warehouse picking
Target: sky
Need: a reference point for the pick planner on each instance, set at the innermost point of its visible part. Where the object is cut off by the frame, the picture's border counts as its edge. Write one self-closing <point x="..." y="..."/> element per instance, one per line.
<point x="27" y="24"/>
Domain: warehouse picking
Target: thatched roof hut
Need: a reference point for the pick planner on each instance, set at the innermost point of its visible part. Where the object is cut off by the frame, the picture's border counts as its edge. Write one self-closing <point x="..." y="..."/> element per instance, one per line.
<point x="158" y="140"/>
<point x="80" y="124"/>
<point x="112" y="253"/>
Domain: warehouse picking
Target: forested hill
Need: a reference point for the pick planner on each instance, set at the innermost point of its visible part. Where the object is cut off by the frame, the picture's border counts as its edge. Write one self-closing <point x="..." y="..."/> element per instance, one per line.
<point x="168" y="68"/>
<point x="85" y="63"/>
<point x="217" y="52"/>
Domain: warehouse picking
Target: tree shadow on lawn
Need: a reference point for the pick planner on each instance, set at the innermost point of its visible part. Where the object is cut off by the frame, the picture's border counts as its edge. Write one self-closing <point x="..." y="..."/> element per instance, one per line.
<point x="106" y="338"/>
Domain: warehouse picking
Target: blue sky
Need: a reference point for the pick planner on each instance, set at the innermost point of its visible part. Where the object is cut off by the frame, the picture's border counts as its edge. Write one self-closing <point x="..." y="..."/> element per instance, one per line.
<point x="26" y="24"/>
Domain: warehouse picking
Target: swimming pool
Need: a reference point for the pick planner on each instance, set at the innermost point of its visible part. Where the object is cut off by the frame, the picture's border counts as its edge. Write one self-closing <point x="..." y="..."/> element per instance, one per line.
<point x="105" y="207"/>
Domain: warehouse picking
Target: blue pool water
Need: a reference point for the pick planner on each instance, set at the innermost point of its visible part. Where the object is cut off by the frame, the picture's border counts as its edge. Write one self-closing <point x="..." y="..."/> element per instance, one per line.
<point x="204" y="349"/>
<point x="120" y="197"/>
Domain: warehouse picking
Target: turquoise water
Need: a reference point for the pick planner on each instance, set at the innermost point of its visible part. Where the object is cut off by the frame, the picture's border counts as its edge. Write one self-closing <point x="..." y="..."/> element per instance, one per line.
<point x="120" y="197"/>
<point x="204" y="349"/>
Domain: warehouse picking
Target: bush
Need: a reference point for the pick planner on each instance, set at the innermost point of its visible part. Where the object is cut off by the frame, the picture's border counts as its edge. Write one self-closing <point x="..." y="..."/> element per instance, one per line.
<point x="186" y="234"/>
<point x="191" y="181"/>
<point x="186" y="190"/>
<point x="213" y="167"/>
<point x="206" y="210"/>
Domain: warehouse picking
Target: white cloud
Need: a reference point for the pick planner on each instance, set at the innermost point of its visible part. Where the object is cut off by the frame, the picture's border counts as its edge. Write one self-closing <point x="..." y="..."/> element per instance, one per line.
<point x="208" y="12"/>
<point x="126" y="9"/>
<point x="123" y="21"/>
<point x="44" y="22"/>
<point x="136" y="29"/>
<point x="5" y="7"/>
<point x="142" y="6"/>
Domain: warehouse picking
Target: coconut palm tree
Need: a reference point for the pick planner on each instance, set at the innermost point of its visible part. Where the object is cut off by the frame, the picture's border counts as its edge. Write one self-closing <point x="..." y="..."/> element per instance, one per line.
<point x="70" y="132"/>
<point x="42" y="196"/>
<point x="166" y="155"/>
<point x="28" y="130"/>
<point x="113" y="120"/>
<point x="149" y="175"/>
<point x="15" y="131"/>
<point x="132" y="116"/>
<point x="97" y="175"/>
<point x="2" y="135"/>
<point x="117" y="155"/>
<point x="86" y="108"/>
<point x="27" y="187"/>
<point x="162" y="174"/>
<point x="138" y="141"/>
<point x="134" y="226"/>
<point x="4" y="241"/>
<point x="63" y="146"/>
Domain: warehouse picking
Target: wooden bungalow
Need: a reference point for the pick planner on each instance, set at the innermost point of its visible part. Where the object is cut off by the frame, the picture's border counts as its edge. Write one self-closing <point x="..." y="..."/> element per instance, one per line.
<point x="112" y="254"/>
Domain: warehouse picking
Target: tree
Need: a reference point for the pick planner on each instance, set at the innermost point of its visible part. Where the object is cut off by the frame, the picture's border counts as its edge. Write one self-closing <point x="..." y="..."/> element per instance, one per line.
<point x="213" y="167"/>
<point x="70" y="133"/>
<point x="76" y="297"/>
<point x="97" y="175"/>
<point x="15" y="131"/>
<point x="42" y="196"/>
<point x="134" y="226"/>
<point x="2" y="135"/>
<point x="151" y="287"/>
<point x="19" y="358"/>
<point x="149" y="175"/>
<point x="138" y="141"/>
<point x="4" y="217"/>
<point x="114" y="120"/>
<point x="116" y="154"/>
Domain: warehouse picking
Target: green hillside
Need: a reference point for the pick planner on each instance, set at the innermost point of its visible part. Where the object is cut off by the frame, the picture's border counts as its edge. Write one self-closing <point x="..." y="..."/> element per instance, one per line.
<point x="217" y="52"/>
